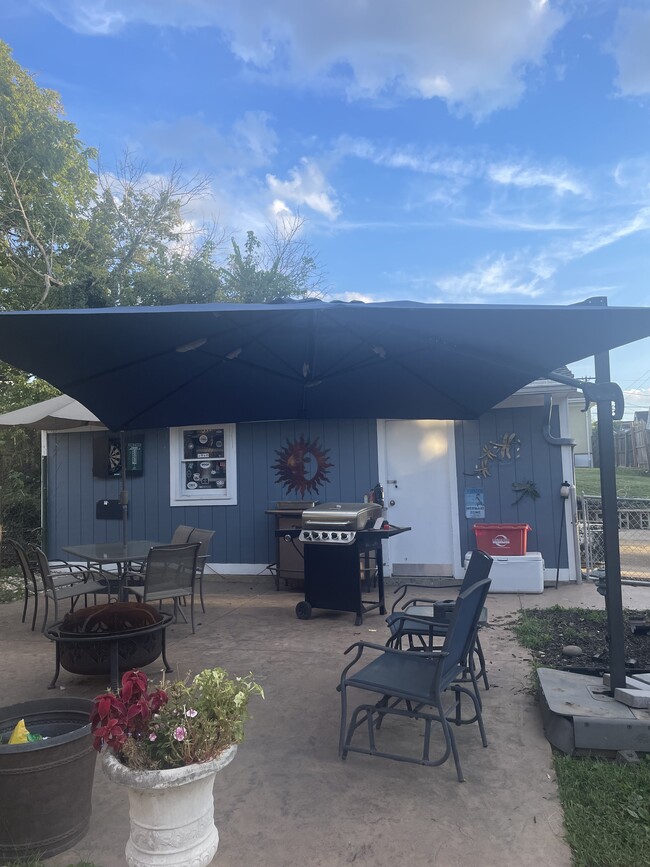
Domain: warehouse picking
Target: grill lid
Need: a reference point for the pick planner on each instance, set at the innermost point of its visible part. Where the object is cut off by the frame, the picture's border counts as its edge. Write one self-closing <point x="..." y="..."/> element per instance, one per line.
<point x="347" y="516"/>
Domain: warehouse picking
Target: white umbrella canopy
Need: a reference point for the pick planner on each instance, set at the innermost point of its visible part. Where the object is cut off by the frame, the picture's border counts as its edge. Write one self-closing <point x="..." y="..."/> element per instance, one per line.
<point x="61" y="413"/>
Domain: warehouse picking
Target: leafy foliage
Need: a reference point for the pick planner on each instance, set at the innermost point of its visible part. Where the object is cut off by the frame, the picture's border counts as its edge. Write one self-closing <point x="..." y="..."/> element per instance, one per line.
<point x="182" y="725"/>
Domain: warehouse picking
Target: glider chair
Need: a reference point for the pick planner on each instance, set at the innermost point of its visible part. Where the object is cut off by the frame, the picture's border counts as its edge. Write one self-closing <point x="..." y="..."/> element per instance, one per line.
<point x="203" y="537"/>
<point x="64" y="581"/>
<point x="433" y="617"/>
<point x="169" y="573"/>
<point x="424" y="687"/>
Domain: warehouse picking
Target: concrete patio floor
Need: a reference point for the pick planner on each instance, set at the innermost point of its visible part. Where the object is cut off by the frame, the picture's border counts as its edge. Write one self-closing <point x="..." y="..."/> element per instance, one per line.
<point x="287" y="798"/>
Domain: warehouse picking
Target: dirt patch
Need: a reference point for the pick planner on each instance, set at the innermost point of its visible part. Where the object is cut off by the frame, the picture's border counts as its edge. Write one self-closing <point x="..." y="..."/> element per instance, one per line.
<point x="546" y="632"/>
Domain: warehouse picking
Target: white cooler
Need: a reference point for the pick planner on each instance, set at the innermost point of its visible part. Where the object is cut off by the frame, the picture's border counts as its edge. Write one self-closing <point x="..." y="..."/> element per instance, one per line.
<point x="524" y="574"/>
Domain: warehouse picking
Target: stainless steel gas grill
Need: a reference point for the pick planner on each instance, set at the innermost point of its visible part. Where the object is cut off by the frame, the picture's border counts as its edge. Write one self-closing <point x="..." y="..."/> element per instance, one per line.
<point x="343" y="557"/>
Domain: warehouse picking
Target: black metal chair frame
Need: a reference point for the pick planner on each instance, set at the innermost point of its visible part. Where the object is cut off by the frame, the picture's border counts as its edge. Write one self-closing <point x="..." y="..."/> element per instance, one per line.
<point x="65" y="581"/>
<point x="145" y="593"/>
<point x="420" y="682"/>
<point x="29" y="578"/>
<point x="437" y="613"/>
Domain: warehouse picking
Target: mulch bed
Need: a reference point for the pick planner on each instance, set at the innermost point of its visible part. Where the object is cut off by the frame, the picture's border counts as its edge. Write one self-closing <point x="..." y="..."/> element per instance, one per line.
<point x="552" y="629"/>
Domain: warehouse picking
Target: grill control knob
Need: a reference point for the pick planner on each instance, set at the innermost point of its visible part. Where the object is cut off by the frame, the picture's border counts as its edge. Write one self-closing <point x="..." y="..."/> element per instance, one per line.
<point x="325" y="535"/>
<point x="344" y="536"/>
<point x="335" y="535"/>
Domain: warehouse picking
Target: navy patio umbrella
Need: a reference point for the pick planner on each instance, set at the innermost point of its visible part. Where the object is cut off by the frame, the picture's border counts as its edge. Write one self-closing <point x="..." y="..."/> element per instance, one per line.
<point x="150" y="367"/>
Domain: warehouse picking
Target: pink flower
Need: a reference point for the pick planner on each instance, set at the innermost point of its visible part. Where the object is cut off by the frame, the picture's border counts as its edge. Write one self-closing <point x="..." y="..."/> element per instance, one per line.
<point x="179" y="733"/>
<point x="191" y="712"/>
<point x="153" y="736"/>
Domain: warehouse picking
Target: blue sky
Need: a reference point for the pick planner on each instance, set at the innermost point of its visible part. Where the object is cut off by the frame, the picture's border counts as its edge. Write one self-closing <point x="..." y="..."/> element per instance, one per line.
<point x="485" y="151"/>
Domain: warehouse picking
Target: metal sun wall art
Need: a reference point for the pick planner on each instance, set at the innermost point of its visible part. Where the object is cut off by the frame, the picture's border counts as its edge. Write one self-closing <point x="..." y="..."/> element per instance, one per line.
<point x="302" y="466"/>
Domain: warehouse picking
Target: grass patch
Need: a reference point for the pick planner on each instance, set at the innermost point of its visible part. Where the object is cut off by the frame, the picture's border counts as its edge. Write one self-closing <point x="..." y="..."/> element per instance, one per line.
<point x="606" y="811"/>
<point x="606" y="805"/>
<point x="630" y="482"/>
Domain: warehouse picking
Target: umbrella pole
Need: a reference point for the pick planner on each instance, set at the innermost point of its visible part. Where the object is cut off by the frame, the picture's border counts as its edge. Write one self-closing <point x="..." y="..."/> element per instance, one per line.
<point x="613" y="595"/>
<point x="124" y="494"/>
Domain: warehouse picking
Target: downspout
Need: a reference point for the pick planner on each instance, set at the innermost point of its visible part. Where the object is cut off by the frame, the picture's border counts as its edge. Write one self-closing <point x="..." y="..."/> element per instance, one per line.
<point x="565" y="441"/>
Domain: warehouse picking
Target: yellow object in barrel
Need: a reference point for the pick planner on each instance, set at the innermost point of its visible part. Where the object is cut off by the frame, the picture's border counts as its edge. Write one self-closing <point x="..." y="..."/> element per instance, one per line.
<point x="19" y="735"/>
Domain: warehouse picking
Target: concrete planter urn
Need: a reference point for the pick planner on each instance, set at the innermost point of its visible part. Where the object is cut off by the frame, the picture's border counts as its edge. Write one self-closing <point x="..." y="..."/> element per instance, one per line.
<point x="171" y="811"/>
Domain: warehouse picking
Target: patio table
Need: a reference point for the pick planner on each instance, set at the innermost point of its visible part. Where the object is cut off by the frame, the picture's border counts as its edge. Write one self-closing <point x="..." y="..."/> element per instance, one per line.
<point x="117" y="553"/>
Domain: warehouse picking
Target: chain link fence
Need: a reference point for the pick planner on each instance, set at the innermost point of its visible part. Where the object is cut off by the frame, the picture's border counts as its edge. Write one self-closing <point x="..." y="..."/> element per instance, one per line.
<point x="634" y="537"/>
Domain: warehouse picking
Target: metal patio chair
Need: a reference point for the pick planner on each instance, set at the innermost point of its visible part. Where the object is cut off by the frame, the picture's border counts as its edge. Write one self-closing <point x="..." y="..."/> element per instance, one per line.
<point x="424" y="686"/>
<point x="64" y="581"/>
<point x="29" y="578"/>
<point x="417" y="635"/>
<point x="203" y="537"/>
<point x="169" y="573"/>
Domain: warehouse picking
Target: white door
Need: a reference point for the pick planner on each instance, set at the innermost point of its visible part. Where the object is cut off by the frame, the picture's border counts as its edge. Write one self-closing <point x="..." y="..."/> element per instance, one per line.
<point x="419" y="482"/>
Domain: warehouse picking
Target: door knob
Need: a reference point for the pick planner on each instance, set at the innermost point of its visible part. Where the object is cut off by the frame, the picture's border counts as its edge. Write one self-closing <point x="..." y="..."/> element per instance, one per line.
<point x="391" y="502"/>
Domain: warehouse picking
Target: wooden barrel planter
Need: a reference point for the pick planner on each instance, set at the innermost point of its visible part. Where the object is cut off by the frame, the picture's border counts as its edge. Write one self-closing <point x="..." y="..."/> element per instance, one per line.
<point x="108" y="639"/>
<point x="46" y="786"/>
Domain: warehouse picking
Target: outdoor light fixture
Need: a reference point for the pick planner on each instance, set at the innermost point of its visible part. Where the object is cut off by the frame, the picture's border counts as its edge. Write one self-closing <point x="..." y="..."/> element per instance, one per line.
<point x="565" y="490"/>
<point x="194" y="344"/>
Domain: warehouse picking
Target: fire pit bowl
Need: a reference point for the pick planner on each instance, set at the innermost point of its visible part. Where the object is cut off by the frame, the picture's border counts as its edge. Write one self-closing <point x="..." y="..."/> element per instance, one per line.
<point x="107" y="639"/>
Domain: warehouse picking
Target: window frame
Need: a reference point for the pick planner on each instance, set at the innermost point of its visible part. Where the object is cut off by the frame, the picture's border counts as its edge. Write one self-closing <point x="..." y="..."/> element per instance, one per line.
<point x="179" y="495"/>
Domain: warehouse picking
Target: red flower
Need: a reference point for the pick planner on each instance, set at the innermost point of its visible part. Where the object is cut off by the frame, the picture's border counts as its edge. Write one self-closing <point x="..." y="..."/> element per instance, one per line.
<point x="114" y="718"/>
<point x="134" y="685"/>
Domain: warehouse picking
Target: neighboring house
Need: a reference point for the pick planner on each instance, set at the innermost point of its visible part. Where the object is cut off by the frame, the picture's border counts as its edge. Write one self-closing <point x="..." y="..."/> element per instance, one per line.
<point x="580" y="429"/>
<point x="439" y="478"/>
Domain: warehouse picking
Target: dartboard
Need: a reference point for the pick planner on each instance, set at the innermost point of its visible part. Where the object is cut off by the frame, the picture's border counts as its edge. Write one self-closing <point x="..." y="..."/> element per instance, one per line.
<point x="114" y="457"/>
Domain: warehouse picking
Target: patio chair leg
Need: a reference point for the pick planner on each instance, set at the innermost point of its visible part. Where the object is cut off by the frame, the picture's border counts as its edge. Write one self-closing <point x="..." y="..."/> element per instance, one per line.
<point x="451" y="741"/>
<point x="35" y="614"/>
<point x="344" y="713"/>
<point x="201" y="593"/>
<point x="25" y="602"/>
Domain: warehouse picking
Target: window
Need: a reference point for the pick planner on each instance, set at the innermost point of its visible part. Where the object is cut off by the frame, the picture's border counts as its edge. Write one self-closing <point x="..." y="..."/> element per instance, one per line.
<point x="203" y="465"/>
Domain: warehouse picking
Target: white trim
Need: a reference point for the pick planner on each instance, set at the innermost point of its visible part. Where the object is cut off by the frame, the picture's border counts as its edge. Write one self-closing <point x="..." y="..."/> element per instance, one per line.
<point x="256" y="570"/>
<point x="570" y="514"/>
<point x="178" y="493"/>
<point x="457" y="565"/>
<point x="383" y="475"/>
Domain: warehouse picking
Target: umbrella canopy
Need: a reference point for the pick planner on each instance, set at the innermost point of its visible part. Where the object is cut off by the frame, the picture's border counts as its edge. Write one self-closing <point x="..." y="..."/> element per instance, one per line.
<point x="57" y="413"/>
<point x="149" y="367"/>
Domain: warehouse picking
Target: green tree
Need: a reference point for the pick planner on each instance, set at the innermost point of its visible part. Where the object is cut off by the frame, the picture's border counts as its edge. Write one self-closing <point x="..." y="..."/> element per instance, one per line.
<point x="279" y="267"/>
<point x="46" y="188"/>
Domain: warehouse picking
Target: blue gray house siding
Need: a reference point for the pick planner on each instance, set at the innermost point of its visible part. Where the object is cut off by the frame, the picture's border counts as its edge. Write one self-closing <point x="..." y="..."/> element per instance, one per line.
<point x="538" y="462"/>
<point x="243" y="533"/>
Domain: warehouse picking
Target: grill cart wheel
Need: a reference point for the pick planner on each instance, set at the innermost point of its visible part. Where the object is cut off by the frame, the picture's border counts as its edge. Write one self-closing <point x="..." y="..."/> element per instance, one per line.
<point x="303" y="611"/>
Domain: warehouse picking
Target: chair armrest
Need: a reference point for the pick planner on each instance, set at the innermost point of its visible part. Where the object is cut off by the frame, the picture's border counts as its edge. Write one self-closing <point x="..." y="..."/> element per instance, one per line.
<point x="404" y="588"/>
<point x="362" y="645"/>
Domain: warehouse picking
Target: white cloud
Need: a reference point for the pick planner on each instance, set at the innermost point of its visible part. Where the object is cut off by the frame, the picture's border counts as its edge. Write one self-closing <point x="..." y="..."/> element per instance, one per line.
<point x="249" y="144"/>
<point x="528" y="177"/>
<point x="472" y="55"/>
<point x="528" y="274"/>
<point x="630" y="48"/>
<point x="492" y="277"/>
<point x="306" y="187"/>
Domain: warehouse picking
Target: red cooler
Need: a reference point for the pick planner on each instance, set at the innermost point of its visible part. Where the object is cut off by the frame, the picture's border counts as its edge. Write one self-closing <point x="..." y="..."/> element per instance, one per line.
<point x="505" y="539"/>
